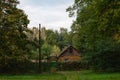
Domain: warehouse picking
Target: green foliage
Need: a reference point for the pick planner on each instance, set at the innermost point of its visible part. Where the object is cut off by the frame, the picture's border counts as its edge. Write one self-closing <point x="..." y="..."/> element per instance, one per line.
<point x="95" y="30"/>
<point x="108" y="57"/>
<point x="51" y="37"/>
<point x="13" y="40"/>
<point x="55" y="50"/>
<point x="60" y="39"/>
<point x="64" y="38"/>
<point x="49" y="67"/>
<point x="46" y="50"/>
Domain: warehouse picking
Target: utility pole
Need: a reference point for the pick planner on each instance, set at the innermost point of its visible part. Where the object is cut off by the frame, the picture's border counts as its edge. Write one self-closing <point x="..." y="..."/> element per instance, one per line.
<point x="40" y="70"/>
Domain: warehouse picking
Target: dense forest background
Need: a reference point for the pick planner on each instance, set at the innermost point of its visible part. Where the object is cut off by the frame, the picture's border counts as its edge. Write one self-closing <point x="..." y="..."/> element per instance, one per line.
<point x="95" y="33"/>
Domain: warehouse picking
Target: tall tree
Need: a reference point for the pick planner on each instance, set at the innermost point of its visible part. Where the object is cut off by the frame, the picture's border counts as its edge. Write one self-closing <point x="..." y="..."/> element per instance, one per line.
<point x="13" y="24"/>
<point x="96" y="26"/>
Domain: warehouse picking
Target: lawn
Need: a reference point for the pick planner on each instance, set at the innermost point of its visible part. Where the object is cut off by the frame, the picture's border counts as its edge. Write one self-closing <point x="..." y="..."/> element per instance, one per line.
<point x="68" y="75"/>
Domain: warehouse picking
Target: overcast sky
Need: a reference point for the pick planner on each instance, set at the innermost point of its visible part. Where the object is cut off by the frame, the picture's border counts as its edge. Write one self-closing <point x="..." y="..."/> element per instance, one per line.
<point x="50" y="13"/>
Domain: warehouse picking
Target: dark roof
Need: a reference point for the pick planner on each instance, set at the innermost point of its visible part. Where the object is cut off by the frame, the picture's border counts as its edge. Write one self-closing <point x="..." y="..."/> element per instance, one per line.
<point x="67" y="49"/>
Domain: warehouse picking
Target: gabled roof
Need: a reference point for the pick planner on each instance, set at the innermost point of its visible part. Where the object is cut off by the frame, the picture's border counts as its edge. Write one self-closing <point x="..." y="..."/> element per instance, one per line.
<point x="63" y="52"/>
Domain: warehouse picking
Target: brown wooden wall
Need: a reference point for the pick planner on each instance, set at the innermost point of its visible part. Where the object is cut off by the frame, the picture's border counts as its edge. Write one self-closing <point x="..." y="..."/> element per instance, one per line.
<point x="69" y="58"/>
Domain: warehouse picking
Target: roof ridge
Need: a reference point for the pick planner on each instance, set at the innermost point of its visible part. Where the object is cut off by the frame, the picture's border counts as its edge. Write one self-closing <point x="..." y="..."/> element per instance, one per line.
<point x="64" y="50"/>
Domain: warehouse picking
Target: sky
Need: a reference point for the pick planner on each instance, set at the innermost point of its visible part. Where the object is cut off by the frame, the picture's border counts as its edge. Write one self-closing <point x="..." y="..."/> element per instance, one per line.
<point x="49" y="13"/>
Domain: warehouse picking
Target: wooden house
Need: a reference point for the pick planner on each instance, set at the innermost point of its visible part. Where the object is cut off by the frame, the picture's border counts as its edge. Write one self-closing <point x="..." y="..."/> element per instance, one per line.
<point x="70" y="54"/>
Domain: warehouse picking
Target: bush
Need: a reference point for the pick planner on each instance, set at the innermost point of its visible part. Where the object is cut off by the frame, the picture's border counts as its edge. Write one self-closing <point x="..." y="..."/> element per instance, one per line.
<point x="49" y="66"/>
<point x="18" y="66"/>
<point x="105" y="56"/>
<point x="59" y="66"/>
<point x="67" y="66"/>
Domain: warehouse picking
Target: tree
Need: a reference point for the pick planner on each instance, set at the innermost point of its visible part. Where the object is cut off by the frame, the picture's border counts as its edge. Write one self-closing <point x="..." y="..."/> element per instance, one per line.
<point x="13" y="24"/>
<point x="63" y="38"/>
<point x="51" y="37"/>
<point x="55" y="50"/>
<point x="96" y="26"/>
<point x="46" y="50"/>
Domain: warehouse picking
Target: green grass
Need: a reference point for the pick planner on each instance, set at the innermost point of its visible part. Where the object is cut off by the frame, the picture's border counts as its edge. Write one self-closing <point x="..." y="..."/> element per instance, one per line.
<point x="68" y="75"/>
